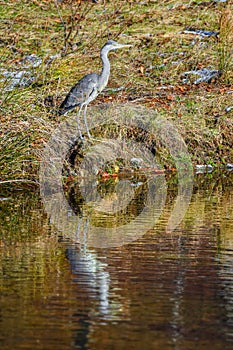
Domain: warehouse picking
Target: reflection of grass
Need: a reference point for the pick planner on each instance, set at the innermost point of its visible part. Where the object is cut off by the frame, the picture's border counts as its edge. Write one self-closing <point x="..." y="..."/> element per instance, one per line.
<point x="27" y="244"/>
<point x="32" y="264"/>
<point x="112" y="197"/>
<point x="160" y="54"/>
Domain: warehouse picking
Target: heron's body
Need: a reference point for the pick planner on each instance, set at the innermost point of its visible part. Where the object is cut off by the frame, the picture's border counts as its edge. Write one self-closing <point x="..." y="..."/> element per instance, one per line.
<point x="89" y="87"/>
<point x="83" y="92"/>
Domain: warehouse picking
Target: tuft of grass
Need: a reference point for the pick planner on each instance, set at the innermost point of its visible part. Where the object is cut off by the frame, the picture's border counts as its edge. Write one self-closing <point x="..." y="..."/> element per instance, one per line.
<point x="225" y="44"/>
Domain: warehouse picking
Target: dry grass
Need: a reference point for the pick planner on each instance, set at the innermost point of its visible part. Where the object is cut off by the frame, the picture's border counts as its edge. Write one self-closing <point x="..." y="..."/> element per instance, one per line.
<point x="226" y="42"/>
<point x="150" y="72"/>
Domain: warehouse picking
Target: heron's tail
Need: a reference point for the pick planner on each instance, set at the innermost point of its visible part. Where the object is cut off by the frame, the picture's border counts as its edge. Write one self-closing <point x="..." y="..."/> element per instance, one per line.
<point x="64" y="108"/>
<point x="61" y="111"/>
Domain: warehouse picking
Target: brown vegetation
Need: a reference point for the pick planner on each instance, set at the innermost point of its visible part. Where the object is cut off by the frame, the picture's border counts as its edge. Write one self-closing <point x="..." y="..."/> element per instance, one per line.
<point x="67" y="36"/>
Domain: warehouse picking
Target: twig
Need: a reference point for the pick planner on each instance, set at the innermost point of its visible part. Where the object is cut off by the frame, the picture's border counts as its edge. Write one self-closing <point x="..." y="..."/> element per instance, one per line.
<point x="19" y="180"/>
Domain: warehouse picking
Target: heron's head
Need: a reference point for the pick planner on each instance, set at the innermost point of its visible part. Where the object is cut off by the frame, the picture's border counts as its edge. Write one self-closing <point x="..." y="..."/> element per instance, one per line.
<point x="113" y="45"/>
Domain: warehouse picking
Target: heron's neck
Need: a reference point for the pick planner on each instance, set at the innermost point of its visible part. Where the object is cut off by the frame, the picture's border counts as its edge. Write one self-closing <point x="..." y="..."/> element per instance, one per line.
<point x="105" y="72"/>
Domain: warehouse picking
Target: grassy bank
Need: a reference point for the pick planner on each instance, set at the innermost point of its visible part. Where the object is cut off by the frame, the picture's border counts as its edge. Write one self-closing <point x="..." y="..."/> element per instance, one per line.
<point x="67" y="35"/>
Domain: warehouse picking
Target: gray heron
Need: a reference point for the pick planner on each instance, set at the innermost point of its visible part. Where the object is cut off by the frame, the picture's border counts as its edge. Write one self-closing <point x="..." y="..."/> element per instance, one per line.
<point x="89" y="87"/>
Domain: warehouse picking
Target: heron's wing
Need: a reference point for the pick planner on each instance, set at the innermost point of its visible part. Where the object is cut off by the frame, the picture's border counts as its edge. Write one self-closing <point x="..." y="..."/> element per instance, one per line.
<point x="80" y="93"/>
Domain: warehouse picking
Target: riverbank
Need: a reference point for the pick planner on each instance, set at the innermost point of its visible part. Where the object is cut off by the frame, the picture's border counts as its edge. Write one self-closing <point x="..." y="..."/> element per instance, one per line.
<point x="180" y="66"/>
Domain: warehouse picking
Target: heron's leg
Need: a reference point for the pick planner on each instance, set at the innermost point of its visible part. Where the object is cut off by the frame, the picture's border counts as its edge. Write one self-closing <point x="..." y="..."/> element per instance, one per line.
<point x="85" y="121"/>
<point x="78" y="122"/>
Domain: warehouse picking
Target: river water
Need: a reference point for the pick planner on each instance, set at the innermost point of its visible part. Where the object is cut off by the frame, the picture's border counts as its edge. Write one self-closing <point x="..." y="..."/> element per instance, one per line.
<point x="163" y="290"/>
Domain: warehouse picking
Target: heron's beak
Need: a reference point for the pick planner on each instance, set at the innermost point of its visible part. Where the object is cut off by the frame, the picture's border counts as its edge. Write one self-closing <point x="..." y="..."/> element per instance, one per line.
<point x="123" y="45"/>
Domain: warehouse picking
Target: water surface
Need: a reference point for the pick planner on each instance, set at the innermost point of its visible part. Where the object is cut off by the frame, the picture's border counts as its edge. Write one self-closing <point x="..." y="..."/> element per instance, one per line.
<point x="162" y="291"/>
